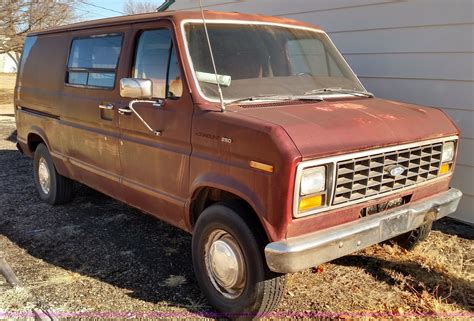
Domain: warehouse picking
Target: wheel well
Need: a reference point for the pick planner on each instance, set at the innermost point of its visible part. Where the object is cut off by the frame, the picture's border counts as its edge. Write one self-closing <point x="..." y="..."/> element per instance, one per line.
<point x="207" y="196"/>
<point x="33" y="141"/>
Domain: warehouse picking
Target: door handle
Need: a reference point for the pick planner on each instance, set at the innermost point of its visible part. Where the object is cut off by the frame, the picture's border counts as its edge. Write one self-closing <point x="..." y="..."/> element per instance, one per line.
<point x="106" y="106"/>
<point x="125" y="111"/>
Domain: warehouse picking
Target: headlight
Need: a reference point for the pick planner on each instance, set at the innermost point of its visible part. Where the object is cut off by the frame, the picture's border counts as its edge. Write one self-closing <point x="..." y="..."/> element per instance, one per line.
<point x="313" y="180"/>
<point x="449" y="149"/>
<point x="448" y="152"/>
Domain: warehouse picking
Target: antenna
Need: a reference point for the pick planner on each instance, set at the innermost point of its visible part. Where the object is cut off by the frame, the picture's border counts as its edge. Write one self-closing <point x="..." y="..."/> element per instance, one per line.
<point x="221" y="96"/>
<point x="165" y="5"/>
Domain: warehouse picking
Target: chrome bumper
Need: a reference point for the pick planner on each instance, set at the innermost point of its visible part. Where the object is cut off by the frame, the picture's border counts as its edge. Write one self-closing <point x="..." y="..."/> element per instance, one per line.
<point x="298" y="253"/>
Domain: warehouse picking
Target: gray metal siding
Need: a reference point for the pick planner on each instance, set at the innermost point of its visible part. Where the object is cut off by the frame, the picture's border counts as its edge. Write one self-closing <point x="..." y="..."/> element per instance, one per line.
<point x="418" y="51"/>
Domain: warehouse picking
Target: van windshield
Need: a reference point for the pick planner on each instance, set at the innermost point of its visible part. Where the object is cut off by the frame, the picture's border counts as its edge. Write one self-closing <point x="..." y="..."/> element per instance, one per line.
<point x="265" y="60"/>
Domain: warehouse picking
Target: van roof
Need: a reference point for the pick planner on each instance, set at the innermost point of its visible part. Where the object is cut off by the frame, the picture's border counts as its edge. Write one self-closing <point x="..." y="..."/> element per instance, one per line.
<point x="176" y="16"/>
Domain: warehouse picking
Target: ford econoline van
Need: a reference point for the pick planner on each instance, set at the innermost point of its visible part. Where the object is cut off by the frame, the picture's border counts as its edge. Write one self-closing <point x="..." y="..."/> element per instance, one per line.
<point x="250" y="132"/>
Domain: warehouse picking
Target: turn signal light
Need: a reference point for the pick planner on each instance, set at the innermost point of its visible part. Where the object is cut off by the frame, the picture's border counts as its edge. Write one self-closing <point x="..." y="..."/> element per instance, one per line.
<point x="445" y="168"/>
<point x="311" y="202"/>
<point x="262" y="166"/>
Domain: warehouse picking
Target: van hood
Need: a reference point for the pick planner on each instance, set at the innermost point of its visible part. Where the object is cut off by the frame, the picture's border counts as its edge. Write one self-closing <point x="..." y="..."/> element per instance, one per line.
<point x="335" y="127"/>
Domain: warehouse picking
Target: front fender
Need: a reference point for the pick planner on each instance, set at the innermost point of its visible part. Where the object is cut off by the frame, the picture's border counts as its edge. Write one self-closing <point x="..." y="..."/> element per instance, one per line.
<point x="230" y="185"/>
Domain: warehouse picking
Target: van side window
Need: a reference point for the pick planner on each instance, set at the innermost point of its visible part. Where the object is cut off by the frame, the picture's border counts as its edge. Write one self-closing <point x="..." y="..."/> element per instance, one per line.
<point x="156" y="60"/>
<point x="93" y="61"/>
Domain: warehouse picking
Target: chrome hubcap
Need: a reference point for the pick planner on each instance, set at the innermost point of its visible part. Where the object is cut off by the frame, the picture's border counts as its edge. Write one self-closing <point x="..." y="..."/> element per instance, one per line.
<point x="44" y="176"/>
<point x="225" y="264"/>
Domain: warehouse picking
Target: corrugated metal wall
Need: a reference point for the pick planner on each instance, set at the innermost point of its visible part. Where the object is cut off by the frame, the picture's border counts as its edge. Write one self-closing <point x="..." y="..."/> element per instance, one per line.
<point x="419" y="51"/>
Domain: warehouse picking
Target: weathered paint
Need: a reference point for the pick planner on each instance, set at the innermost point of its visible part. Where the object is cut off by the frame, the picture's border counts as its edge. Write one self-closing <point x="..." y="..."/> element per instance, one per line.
<point x="116" y="155"/>
<point x="335" y="127"/>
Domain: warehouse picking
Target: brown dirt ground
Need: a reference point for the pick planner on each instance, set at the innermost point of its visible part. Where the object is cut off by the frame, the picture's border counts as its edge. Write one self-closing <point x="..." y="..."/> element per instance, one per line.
<point x="98" y="257"/>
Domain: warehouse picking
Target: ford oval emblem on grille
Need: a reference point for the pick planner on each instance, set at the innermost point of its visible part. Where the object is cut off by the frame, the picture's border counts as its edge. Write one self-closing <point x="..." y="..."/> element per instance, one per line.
<point x="396" y="170"/>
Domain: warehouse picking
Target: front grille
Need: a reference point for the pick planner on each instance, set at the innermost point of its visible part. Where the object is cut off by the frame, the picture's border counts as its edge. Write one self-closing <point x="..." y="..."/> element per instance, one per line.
<point x="368" y="176"/>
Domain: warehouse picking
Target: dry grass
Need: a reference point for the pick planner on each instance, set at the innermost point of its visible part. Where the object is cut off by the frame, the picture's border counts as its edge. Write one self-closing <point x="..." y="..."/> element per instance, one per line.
<point x="437" y="278"/>
<point x="97" y="255"/>
<point x="7" y="84"/>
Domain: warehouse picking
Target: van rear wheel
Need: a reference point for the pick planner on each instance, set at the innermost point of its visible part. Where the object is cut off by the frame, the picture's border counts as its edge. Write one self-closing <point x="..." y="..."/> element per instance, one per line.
<point x="230" y="266"/>
<point x="52" y="188"/>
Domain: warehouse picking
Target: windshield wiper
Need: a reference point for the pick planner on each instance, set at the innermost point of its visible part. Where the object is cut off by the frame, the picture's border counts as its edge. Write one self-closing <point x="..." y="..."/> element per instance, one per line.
<point x="320" y="91"/>
<point x="274" y="97"/>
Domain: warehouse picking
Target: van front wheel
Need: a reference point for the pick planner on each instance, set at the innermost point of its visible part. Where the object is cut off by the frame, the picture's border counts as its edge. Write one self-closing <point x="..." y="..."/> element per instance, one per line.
<point x="52" y="188"/>
<point x="412" y="239"/>
<point x="230" y="266"/>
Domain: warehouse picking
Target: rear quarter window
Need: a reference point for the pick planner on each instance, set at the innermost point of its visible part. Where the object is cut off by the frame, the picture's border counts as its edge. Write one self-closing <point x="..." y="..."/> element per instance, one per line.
<point x="93" y="61"/>
<point x="29" y="43"/>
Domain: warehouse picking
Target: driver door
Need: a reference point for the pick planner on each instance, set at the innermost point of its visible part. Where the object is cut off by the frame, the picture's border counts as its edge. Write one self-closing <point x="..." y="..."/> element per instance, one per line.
<point x="155" y="169"/>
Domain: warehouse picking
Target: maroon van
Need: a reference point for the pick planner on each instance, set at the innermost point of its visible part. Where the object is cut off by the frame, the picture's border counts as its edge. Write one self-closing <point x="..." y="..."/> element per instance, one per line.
<point x="269" y="151"/>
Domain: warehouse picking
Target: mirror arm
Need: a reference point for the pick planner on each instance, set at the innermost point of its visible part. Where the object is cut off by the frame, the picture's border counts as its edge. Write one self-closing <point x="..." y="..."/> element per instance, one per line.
<point x="155" y="103"/>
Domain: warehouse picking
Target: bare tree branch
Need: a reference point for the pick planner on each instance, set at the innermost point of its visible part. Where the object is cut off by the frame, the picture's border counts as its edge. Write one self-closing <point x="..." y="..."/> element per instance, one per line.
<point x="135" y="7"/>
<point x="19" y="17"/>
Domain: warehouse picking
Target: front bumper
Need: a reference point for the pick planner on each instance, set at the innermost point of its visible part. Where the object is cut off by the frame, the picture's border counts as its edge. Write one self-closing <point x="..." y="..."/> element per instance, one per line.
<point x="298" y="253"/>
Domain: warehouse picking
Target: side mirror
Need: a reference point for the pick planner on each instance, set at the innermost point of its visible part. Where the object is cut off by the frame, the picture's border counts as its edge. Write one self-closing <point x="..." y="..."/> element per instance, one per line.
<point x="136" y="88"/>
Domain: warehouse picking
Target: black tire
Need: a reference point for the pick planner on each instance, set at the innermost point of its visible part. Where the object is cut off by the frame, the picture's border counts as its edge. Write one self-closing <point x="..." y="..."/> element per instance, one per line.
<point x="262" y="289"/>
<point x="411" y="239"/>
<point x="60" y="187"/>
